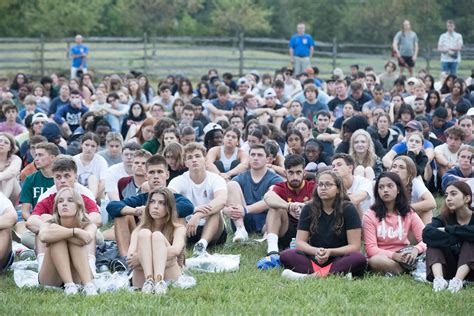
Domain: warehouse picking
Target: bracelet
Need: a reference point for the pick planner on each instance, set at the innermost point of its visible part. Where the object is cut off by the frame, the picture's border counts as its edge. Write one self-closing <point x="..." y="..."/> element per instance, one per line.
<point x="245" y="211"/>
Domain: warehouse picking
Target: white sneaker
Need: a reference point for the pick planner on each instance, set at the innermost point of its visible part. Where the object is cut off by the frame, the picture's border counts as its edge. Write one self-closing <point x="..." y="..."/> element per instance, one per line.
<point x="160" y="288"/>
<point x="240" y="235"/>
<point x="198" y="249"/>
<point x="291" y="275"/>
<point x="455" y="285"/>
<point x="439" y="284"/>
<point x="70" y="289"/>
<point x="148" y="286"/>
<point x="90" y="289"/>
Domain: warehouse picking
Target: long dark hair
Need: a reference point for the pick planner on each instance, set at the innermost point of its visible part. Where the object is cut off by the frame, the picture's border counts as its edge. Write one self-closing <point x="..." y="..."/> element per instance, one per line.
<point x="427" y="101"/>
<point x="402" y="204"/>
<point x="448" y="216"/>
<point x="338" y="205"/>
<point x="142" y="114"/>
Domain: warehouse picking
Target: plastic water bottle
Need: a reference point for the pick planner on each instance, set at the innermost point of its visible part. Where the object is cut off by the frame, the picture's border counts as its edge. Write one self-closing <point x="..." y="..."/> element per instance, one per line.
<point x="293" y="243"/>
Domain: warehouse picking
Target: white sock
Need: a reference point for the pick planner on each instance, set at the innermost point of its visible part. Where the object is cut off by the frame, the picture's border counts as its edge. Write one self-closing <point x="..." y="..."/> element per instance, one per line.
<point x="91" y="260"/>
<point x="40" y="258"/>
<point x="272" y="242"/>
<point x="241" y="229"/>
<point x="204" y="243"/>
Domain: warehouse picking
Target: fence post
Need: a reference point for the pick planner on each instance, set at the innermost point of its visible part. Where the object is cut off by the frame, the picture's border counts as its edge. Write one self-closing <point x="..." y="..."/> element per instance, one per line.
<point x="334" y="52"/>
<point x="428" y="57"/>
<point x="145" y="53"/>
<point x="42" y="54"/>
<point x="241" y="53"/>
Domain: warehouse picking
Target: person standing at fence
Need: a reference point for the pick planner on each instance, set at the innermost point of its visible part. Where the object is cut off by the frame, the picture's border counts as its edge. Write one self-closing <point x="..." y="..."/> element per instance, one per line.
<point x="79" y="54"/>
<point x="301" y="50"/>
<point x="450" y="45"/>
<point x="405" y="47"/>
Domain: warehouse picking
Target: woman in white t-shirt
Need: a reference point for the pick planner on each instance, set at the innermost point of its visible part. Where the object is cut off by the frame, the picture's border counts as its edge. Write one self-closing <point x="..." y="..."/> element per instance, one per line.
<point x="91" y="167"/>
<point x="422" y="201"/>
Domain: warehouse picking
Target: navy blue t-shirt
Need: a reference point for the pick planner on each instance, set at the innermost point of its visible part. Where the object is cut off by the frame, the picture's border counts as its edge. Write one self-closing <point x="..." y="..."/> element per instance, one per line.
<point x="253" y="193"/>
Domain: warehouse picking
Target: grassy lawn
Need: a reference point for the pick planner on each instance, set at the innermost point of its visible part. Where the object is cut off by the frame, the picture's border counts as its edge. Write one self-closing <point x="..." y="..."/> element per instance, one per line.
<point x="250" y="291"/>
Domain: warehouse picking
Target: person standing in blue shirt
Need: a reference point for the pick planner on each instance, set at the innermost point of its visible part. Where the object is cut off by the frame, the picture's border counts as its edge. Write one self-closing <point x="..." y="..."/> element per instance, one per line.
<point x="301" y="50"/>
<point x="79" y="54"/>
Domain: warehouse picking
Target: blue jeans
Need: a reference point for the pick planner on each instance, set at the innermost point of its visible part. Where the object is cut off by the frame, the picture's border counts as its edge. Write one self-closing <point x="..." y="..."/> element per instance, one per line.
<point x="450" y="67"/>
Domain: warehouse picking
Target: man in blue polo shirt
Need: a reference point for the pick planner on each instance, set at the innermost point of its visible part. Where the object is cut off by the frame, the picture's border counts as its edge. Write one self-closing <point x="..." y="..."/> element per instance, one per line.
<point x="79" y="54"/>
<point x="301" y="50"/>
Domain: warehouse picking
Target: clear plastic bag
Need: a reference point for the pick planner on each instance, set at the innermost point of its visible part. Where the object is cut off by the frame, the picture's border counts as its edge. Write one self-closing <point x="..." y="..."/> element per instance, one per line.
<point x="107" y="282"/>
<point x="185" y="281"/>
<point x="419" y="274"/>
<point x="214" y="263"/>
<point x="25" y="278"/>
<point x="31" y="265"/>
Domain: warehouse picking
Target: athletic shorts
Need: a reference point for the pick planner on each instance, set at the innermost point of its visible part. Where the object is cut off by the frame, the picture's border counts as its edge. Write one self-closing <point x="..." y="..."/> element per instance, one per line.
<point x="408" y="60"/>
<point x="9" y="262"/>
<point x="285" y="240"/>
<point x="220" y="241"/>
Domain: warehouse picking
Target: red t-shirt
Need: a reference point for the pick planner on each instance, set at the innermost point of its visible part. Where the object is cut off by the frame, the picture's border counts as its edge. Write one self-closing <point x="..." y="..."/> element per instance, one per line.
<point x="46" y="206"/>
<point x="288" y="194"/>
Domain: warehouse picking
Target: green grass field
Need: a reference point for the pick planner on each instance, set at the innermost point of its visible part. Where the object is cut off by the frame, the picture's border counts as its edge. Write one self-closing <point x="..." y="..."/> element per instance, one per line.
<point x="250" y="291"/>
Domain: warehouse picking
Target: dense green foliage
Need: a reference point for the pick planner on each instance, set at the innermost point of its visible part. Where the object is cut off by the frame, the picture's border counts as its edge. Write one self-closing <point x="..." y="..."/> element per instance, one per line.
<point x="364" y="21"/>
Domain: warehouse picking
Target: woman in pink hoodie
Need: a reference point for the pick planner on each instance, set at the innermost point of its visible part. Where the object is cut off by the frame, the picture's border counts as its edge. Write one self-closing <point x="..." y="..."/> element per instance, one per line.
<point x="387" y="225"/>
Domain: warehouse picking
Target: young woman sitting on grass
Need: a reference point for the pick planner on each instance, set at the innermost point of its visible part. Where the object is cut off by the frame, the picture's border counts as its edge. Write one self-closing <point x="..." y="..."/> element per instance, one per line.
<point x="228" y="160"/>
<point x="421" y="199"/>
<point x="368" y="165"/>
<point x="156" y="244"/>
<point x="67" y="236"/>
<point x="328" y="239"/>
<point x="450" y="240"/>
<point x="387" y="226"/>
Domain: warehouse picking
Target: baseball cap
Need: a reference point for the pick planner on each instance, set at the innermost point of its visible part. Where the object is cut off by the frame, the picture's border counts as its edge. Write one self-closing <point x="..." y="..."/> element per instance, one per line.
<point x="412" y="80"/>
<point x="415" y="125"/>
<point x="470" y="112"/>
<point x="212" y="126"/>
<point x="242" y="80"/>
<point x="270" y="92"/>
<point x="39" y="116"/>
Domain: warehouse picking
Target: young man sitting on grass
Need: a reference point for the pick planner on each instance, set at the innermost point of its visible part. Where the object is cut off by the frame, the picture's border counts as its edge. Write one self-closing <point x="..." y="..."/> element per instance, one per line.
<point x="35" y="185"/>
<point x="65" y="175"/>
<point x="126" y="213"/>
<point x="245" y="204"/>
<point x="208" y="192"/>
<point x="285" y="201"/>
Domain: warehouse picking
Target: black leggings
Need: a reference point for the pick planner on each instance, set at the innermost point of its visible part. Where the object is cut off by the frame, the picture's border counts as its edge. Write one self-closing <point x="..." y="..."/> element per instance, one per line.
<point x="220" y="165"/>
<point x="298" y="261"/>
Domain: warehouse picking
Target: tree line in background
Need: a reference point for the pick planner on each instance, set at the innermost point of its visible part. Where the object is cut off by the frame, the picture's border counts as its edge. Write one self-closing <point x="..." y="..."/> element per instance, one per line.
<point x="364" y="21"/>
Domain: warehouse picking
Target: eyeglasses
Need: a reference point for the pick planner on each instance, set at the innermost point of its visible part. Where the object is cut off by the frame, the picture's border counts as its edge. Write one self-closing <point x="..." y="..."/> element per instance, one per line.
<point x="326" y="185"/>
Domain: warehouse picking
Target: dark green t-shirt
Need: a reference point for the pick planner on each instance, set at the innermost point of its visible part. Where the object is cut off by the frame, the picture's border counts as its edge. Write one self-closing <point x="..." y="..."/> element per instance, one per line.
<point x="152" y="146"/>
<point x="35" y="184"/>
